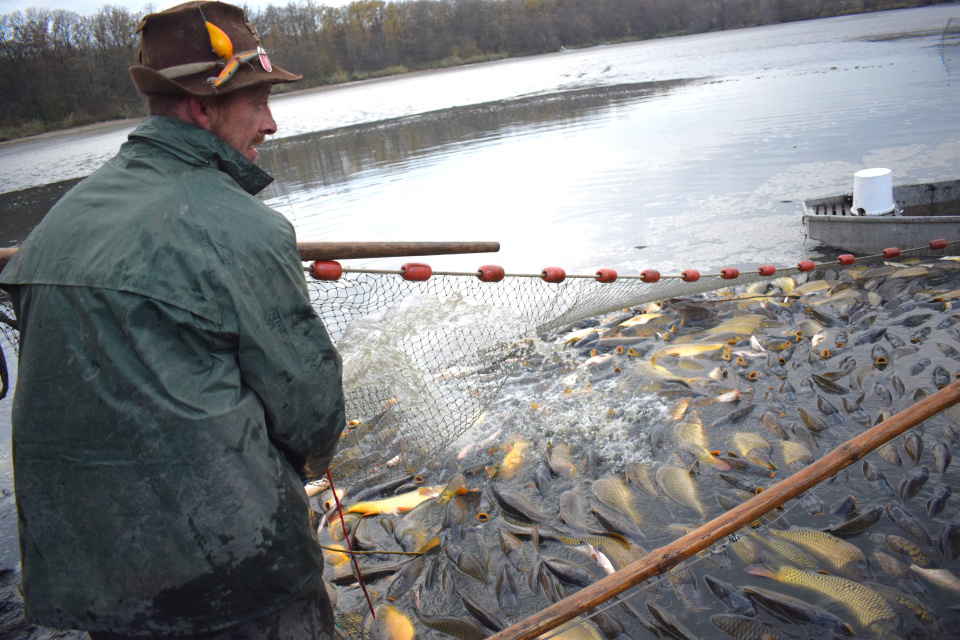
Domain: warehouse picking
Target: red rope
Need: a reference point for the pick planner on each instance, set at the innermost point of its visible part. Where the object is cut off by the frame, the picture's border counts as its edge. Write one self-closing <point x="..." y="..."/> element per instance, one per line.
<point x="346" y="539"/>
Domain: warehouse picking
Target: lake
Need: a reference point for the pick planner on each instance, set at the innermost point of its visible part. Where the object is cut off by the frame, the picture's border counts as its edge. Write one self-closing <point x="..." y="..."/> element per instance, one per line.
<point x="691" y="151"/>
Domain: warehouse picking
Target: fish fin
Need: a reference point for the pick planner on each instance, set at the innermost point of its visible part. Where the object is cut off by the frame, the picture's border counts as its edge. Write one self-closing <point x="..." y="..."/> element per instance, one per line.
<point x="429" y="545"/>
<point x="762" y="570"/>
<point x="456" y="486"/>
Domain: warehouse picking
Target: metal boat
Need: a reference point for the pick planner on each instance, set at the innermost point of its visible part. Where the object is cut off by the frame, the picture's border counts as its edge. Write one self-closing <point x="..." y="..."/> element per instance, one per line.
<point x="923" y="212"/>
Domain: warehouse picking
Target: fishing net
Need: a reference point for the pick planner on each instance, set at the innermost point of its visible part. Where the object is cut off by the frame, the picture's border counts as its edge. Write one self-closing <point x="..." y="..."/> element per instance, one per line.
<point x="422" y="360"/>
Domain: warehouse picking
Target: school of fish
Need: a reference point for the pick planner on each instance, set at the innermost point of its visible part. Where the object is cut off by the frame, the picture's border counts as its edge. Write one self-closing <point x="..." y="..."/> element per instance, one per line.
<point x="620" y="434"/>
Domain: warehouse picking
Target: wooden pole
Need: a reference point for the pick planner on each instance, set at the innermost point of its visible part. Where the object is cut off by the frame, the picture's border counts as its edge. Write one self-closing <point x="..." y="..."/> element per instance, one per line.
<point x="357" y="250"/>
<point x="662" y="559"/>
<point x="5" y="255"/>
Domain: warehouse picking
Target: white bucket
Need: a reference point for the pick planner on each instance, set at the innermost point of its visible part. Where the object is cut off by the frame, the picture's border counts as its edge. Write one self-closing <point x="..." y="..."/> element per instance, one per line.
<point x="873" y="192"/>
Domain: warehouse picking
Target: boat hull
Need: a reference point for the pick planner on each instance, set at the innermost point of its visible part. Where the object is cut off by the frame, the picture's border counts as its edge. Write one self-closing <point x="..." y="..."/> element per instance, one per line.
<point x="930" y="211"/>
<point x="870" y="235"/>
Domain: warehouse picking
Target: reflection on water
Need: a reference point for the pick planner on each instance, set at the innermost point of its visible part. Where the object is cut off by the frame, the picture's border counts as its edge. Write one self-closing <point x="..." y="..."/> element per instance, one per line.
<point x="393" y="146"/>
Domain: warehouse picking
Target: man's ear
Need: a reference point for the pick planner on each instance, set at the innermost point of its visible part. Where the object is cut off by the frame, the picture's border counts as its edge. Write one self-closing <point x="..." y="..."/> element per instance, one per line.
<point x="203" y="112"/>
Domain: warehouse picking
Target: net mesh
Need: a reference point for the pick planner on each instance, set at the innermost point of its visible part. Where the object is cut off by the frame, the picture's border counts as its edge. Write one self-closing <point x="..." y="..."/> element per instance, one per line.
<point x="422" y="360"/>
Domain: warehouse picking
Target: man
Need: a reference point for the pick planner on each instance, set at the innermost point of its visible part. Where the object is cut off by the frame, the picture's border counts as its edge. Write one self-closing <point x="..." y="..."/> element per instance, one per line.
<point x="175" y="385"/>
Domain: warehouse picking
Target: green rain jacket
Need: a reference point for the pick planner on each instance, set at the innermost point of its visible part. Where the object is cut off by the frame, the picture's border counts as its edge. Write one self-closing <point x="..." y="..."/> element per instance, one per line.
<point x="174" y="387"/>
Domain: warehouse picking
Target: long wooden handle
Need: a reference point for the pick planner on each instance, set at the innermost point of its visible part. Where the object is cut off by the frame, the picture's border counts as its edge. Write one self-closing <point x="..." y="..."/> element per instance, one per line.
<point x="356" y="250"/>
<point x="5" y="254"/>
<point x="662" y="559"/>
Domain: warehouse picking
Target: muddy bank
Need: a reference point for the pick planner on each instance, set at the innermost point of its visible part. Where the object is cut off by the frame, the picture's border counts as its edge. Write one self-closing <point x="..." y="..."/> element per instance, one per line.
<point x="21" y="211"/>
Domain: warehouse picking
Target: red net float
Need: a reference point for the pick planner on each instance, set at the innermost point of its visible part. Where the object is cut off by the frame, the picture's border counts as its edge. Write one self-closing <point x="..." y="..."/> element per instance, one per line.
<point x="767" y="270"/>
<point x="415" y="271"/>
<point x="606" y="275"/>
<point x="938" y="244"/>
<point x="553" y="274"/>
<point x="326" y="270"/>
<point x="649" y="275"/>
<point x="845" y="259"/>
<point x="729" y="273"/>
<point x="891" y="252"/>
<point x="690" y="275"/>
<point x="806" y="265"/>
<point x="490" y="273"/>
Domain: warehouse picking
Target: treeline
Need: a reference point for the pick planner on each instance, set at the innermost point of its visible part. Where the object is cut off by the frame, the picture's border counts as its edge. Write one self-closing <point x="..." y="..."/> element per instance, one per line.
<point x="61" y="69"/>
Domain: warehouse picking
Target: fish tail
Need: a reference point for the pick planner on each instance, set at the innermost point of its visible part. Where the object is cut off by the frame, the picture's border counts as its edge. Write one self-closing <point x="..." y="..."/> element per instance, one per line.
<point x="719" y="465"/>
<point x="762" y="570"/>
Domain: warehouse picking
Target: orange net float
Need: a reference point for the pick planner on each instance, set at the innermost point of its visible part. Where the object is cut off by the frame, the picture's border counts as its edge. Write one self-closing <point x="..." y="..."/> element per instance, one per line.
<point x="490" y="273"/>
<point x="729" y="273"/>
<point x="690" y="275"/>
<point x="806" y="265"/>
<point x="650" y="275"/>
<point x="891" y="252"/>
<point x="606" y="275"/>
<point x="767" y="270"/>
<point x="940" y="243"/>
<point x="415" y="271"/>
<point x="845" y="259"/>
<point x="555" y="275"/>
<point x="326" y="270"/>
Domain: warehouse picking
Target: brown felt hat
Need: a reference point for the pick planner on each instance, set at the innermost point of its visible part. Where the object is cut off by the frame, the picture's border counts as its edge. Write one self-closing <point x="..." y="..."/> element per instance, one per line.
<point x="191" y="49"/>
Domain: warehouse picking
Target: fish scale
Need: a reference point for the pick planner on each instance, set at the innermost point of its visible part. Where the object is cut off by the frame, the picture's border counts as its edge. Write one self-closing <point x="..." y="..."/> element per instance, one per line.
<point x="841" y="555"/>
<point x="679" y="486"/>
<point x="615" y="494"/>
<point x="864" y="604"/>
<point x="786" y="551"/>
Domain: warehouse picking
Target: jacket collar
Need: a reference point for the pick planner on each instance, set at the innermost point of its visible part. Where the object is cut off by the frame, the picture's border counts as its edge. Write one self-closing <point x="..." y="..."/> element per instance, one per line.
<point x="199" y="147"/>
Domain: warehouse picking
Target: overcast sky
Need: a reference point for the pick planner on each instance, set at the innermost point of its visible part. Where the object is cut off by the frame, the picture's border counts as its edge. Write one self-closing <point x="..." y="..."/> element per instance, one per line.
<point x="87" y="7"/>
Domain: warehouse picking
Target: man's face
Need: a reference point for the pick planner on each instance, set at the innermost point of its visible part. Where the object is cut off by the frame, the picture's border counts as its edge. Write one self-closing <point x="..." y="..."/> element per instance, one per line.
<point x="243" y="118"/>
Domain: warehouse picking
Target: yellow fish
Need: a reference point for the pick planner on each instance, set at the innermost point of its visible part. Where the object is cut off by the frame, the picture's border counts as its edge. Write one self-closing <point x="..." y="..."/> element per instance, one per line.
<point x="643" y="318"/>
<point x="573" y="336"/>
<point x="688" y="349"/>
<point x="391" y="624"/>
<point x="866" y="605"/>
<point x="396" y="504"/>
<point x="513" y="460"/>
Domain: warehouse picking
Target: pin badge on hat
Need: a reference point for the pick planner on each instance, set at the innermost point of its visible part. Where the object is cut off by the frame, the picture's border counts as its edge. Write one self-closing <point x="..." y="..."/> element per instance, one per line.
<point x="264" y="60"/>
